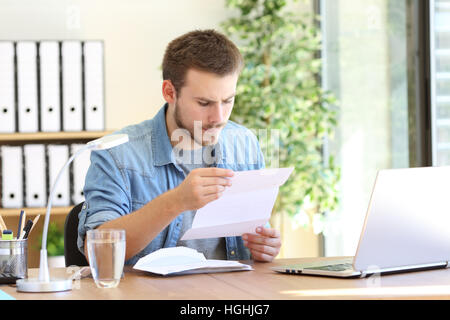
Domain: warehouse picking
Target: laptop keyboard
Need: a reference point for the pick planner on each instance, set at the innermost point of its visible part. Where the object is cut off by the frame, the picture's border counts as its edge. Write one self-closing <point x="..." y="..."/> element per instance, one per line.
<point x="334" y="267"/>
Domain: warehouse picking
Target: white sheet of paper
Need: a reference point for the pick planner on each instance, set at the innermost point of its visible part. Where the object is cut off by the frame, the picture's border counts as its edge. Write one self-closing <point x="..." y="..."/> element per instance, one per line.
<point x="243" y="207"/>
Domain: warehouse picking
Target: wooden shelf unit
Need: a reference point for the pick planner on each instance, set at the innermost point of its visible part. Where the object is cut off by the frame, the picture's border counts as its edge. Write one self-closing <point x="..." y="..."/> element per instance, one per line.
<point x="58" y="214"/>
<point x="20" y="138"/>
<point x="34" y="211"/>
<point x="48" y="137"/>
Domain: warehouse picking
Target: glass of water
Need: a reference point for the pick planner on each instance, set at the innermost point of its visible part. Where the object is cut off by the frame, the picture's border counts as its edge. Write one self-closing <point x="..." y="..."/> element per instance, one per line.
<point x="106" y="252"/>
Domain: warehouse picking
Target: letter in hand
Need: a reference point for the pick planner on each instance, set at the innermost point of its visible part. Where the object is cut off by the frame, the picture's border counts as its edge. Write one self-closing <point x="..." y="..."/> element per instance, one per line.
<point x="202" y="186"/>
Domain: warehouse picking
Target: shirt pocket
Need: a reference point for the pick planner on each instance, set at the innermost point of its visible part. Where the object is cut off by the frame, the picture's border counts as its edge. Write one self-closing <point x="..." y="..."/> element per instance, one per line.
<point x="143" y="188"/>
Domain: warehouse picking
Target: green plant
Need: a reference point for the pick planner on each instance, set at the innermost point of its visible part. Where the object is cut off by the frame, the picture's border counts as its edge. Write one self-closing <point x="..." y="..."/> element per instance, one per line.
<point x="279" y="89"/>
<point x="55" y="240"/>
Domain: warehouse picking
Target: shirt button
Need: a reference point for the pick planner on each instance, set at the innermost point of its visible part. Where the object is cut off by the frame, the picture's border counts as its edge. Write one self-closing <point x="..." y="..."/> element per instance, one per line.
<point x="232" y="253"/>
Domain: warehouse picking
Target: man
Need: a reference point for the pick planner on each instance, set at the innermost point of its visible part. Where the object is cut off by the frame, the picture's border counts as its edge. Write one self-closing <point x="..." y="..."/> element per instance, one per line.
<point x="180" y="160"/>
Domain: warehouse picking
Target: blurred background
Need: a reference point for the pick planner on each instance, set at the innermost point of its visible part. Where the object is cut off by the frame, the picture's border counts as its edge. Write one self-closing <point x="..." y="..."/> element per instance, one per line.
<point x="386" y="64"/>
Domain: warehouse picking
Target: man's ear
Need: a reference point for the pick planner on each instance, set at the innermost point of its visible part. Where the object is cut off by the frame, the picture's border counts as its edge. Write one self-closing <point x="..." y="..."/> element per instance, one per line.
<point x="168" y="91"/>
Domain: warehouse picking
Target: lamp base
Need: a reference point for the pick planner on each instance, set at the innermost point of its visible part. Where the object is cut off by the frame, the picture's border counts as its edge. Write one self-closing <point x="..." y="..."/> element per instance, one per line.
<point x="36" y="285"/>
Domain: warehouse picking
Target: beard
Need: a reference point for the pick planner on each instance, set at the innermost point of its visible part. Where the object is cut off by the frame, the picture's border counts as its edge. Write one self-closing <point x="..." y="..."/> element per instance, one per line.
<point x="198" y="131"/>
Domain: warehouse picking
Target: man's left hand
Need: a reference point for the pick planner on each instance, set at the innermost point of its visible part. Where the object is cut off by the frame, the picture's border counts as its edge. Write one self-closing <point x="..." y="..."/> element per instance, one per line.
<point x="265" y="245"/>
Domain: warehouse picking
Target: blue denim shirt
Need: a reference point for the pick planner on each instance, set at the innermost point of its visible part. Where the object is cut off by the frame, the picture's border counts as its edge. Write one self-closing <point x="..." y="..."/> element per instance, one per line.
<point x="122" y="179"/>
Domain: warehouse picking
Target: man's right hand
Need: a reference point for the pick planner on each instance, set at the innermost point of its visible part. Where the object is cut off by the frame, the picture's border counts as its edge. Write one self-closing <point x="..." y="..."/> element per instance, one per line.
<point x="202" y="186"/>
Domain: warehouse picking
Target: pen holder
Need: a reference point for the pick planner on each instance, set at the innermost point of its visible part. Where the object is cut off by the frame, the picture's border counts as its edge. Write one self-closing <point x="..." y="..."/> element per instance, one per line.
<point x="13" y="260"/>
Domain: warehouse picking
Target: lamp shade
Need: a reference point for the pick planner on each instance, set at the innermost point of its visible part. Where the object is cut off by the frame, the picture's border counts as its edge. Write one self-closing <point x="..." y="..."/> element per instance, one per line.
<point x="108" y="141"/>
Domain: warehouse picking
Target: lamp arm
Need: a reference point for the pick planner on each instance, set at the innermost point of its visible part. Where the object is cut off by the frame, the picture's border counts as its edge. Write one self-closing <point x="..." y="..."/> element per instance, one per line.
<point x="44" y="274"/>
<point x="53" y="191"/>
<point x="43" y="283"/>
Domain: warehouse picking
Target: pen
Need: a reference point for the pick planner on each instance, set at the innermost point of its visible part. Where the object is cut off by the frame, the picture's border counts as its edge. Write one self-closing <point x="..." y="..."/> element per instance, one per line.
<point x="24" y="218"/>
<point x="27" y="229"/>
<point x="20" y="222"/>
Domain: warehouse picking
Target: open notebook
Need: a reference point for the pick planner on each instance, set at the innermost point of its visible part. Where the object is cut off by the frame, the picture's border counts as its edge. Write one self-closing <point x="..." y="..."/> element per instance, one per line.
<point x="183" y="260"/>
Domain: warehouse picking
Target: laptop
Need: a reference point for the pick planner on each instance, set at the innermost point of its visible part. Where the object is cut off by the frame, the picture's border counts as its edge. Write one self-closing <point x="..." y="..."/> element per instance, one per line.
<point x="406" y="228"/>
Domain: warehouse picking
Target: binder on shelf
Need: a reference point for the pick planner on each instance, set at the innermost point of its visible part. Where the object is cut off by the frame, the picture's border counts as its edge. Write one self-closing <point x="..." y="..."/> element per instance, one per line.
<point x="7" y="88"/>
<point x="71" y="56"/>
<point x="27" y="96"/>
<point x="35" y="176"/>
<point x="49" y="86"/>
<point x="12" y="177"/>
<point x="57" y="158"/>
<point x="94" y="86"/>
<point x="80" y="167"/>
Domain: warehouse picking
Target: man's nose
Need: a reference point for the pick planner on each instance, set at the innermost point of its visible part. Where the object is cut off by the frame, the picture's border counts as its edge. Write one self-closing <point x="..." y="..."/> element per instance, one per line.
<point x="216" y="115"/>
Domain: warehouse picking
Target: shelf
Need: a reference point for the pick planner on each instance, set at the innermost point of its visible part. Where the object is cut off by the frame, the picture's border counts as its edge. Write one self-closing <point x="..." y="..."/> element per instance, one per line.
<point x="34" y="211"/>
<point x="51" y="136"/>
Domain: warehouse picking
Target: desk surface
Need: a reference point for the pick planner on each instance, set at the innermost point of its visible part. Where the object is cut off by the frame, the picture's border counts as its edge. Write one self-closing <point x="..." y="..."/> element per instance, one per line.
<point x="261" y="283"/>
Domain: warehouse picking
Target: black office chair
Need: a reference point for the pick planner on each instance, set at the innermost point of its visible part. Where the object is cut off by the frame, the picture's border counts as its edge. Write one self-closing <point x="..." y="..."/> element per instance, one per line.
<point x="72" y="255"/>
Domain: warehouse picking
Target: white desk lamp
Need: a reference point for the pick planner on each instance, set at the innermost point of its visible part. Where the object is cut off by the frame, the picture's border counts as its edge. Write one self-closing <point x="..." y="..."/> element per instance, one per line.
<point x="44" y="283"/>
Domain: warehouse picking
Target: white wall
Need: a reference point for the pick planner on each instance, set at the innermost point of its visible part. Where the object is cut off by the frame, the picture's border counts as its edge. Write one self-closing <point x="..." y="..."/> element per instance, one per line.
<point x="135" y="33"/>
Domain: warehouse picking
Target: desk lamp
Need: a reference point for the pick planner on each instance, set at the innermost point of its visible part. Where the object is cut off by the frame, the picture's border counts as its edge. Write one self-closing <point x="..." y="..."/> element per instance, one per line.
<point x="44" y="283"/>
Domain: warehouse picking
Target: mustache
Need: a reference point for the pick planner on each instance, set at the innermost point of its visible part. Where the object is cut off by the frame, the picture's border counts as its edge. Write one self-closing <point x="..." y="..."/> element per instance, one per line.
<point x="214" y="126"/>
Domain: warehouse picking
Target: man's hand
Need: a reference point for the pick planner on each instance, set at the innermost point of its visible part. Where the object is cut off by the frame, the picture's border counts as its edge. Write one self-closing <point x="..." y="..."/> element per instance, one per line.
<point x="202" y="186"/>
<point x="265" y="245"/>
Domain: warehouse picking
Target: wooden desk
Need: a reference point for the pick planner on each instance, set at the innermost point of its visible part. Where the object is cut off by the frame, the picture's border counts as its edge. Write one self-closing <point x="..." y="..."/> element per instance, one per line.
<point x="260" y="284"/>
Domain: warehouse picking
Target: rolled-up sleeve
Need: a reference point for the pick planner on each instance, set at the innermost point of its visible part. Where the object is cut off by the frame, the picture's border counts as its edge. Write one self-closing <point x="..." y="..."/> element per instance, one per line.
<point x="106" y="191"/>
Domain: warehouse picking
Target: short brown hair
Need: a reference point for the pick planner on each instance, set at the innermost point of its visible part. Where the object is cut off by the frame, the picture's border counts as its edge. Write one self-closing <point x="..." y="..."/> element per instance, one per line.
<point x="205" y="50"/>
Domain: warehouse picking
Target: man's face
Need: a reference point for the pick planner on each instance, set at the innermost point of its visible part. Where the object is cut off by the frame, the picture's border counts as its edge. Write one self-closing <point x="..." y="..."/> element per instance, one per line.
<point x="204" y="104"/>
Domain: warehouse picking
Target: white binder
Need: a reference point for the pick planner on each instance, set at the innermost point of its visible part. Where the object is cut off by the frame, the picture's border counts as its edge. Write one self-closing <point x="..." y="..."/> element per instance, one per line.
<point x="26" y="52"/>
<point x="80" y="167"/>
<point x="35" y="177"/>
<point x="49" y="86"/>
<point x="72" y="86"/>
<point x="12" y="177"/>
<point x="57" y="158"/>
<point x="94" y="86"/>
<point x="7" y="88"/>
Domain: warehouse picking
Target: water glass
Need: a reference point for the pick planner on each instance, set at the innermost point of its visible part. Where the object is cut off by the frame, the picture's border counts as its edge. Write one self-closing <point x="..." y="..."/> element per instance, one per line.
<point x="106" y="252"/>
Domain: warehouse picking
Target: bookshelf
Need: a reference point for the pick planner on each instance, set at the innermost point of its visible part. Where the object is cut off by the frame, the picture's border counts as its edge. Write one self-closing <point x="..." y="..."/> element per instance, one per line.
<point x="58" y="214"/>
<point x="34" y="211"/>
<point x="49" y="137"/>
<point x="46" y="138"/>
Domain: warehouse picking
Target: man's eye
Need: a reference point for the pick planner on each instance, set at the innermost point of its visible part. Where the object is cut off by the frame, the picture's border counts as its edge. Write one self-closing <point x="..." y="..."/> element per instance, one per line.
<point x="203" y="104"/>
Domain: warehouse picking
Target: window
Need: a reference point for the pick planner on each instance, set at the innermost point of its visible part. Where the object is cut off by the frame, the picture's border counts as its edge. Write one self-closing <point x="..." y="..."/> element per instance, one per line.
<point x="371" y="62"/>
<point x="440" y="80"/>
